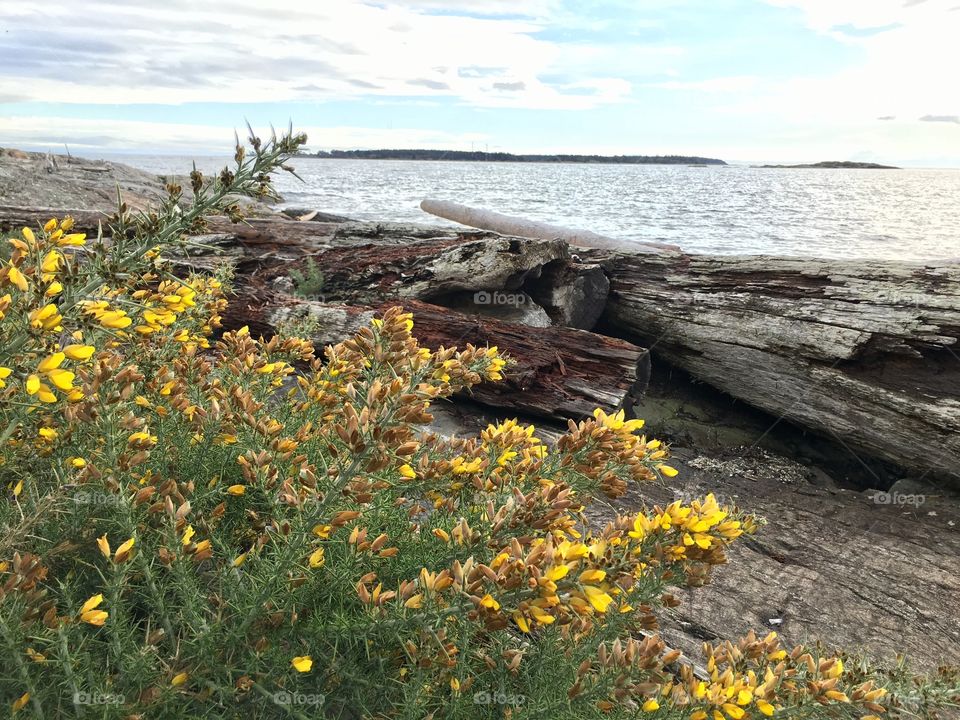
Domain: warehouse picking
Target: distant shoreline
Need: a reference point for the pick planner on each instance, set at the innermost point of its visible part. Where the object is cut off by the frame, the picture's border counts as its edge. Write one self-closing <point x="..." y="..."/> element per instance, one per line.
<point x="835" y="165"/>
<point x="479" y="156"/>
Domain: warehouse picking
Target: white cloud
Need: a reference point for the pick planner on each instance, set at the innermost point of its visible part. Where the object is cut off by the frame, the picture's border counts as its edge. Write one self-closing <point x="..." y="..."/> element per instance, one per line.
<point x="824" y="15"/>
<point x="177" y="51"/>
<point x="117" y="135"/>
<point x="907" y="68"/>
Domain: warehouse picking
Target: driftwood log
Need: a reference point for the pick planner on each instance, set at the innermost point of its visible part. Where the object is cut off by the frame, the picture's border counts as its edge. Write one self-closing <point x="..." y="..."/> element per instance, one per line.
<point x="865" y="352"/>
<point x="555" y="373"/>
<point x="521" y="227"/>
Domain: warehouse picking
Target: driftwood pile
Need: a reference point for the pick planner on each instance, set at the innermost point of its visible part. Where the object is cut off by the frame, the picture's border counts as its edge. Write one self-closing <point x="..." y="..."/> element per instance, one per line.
<point x="863" y="352"/>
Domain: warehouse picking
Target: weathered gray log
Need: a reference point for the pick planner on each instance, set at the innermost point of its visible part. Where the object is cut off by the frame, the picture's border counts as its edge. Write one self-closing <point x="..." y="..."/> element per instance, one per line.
<point x="369" y="263"/>
<point x="556" y="373"/>
<point x="521" y="227"/>
<point x="866" y="352"/>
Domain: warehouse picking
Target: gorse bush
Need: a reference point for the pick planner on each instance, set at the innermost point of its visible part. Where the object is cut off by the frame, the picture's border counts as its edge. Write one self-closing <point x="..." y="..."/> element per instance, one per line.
<point x="229" y="527"/>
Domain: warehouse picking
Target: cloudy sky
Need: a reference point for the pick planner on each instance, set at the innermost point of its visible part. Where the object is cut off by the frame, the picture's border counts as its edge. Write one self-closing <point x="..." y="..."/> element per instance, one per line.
<point x="744" y="80"/>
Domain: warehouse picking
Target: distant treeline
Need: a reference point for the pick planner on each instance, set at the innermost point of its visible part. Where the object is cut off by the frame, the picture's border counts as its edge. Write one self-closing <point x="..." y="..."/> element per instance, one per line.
<point x="479" y="156"/>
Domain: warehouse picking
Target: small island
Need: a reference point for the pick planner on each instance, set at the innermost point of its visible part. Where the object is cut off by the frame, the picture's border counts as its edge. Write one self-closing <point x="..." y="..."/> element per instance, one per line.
<point x="480" y="156"/>
<point x="836" y="165"/>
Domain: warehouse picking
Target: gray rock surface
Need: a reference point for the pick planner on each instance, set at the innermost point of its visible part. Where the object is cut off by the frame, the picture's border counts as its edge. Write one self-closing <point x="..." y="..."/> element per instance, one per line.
<point x="573" y="294"/>
<point x="41" y="180"/>
<point x="831" y="564"/>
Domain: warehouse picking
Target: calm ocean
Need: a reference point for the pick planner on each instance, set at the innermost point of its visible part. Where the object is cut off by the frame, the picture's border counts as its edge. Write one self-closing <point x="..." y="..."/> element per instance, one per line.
<point x="909" y="214"/>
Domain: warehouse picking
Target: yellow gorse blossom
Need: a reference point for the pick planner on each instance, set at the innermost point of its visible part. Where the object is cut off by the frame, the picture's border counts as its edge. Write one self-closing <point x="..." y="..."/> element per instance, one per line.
<point x="179" y="679"/>
<point x="89" y="613"/>
<point x="302" y="663"/>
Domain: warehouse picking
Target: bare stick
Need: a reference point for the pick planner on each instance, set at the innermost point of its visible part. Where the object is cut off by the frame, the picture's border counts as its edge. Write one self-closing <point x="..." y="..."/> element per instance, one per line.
<point x="520" y="227"/>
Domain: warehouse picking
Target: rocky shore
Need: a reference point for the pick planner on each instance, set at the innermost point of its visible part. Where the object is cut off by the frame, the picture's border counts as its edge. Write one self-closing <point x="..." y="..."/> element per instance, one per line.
<point x="817" y="397"/>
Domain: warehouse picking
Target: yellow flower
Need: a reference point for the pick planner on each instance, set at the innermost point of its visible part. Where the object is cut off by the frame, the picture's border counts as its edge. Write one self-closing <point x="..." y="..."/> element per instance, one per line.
<point x="414" y="602"/>
<point x="617" y="422"/>
<point x="46" y="318"/>
<point x="92" y="602"/>
<point x="89" y="614"/>
<point x="651" y="705"/>
<point x="17" y="278"/>
<point x="408" y="472"/>
<point x="51" y="262"/>
<point x="597" y="597"/>
<point x="78" y="462"/>
<point x="72" y="239"/>
<point x="20" y="702"/>
<point x="236" y="490"/>
<point x="47" y="433"/>
<point x="239" y="560"/>
<point x="28" y="235"/>
<point x="4" y="373"/>
<point x="541" y="616"/>
<point x="302" y="663"/>
<point x="114" y="319"/>
<point x="62" y="379"/>
<point x="441" y="534"/>
<point x="489" y="602"/>
<point x="104" y="546"/>
<point x="51" y="362"/>
<point x="591" y="576"/>
<point x="557" y="572"/>
<point x="50" y="225"/>
<point x="667" y="470"/>
<point x="79" y="352"/>
<point x="123" y="552"/>
<point x="179" y="679"/>
<point x="316" y="558"/>
<point x="521" y="622"/>
<point x="765" y="707"/>
<point x="188" y="535"/>
<point x="455" y="685"/>
<point x="732" y="711"/>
